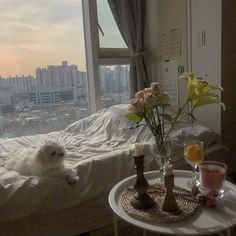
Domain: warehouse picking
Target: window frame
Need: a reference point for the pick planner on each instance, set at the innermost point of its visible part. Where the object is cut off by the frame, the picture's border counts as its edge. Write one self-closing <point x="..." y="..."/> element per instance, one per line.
<point x="97" y="56"/>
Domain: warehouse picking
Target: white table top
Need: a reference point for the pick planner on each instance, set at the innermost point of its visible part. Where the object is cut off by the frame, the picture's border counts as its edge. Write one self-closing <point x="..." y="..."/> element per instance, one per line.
<point x="206" y="221"/>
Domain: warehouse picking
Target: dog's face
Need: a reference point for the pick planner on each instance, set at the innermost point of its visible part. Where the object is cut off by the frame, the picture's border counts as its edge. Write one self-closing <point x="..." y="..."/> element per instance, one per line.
<point x="51" y="154"/>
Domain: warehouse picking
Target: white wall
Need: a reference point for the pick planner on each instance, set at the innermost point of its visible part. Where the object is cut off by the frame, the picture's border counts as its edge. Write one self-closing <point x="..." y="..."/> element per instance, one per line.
<point x="164" y="15"/>
<point x="206" y="59"/>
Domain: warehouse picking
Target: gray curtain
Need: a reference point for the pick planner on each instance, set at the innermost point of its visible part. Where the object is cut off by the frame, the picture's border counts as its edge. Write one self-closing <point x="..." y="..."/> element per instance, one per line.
<point x="129" y="16"/>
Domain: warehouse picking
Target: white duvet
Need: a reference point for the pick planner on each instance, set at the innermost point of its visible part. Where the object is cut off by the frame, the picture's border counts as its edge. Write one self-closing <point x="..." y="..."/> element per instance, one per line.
<point x="99" y="148"/>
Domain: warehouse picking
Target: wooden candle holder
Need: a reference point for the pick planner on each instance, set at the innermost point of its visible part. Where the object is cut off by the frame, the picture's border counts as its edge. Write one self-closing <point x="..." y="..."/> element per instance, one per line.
<point x="169" y="203"/>
<point x="141" y="199"/>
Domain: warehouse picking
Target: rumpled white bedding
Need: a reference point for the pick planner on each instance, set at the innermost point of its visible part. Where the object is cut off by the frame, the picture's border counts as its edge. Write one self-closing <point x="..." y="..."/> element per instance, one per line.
<point x="98" y="147"/>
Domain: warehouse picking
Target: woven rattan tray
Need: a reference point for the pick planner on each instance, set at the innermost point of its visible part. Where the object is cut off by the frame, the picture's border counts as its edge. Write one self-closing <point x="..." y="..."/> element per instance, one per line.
<point x="187" y="203"/>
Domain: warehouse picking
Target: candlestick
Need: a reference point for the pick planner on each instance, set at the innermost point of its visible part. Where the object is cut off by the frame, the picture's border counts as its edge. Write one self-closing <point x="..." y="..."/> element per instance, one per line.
<point x="168" y="169"/>
<point x="169" y="203"/>
<point x="141" y="199"/>
<point x="138" y="149"/>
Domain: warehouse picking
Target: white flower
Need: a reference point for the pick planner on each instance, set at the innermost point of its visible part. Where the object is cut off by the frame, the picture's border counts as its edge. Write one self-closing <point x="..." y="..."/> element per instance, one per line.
<point x="164" y="99"/>
<point x="151" y="101"/>
<point x="140" y="95"/>
<point x="155" y="87"/>
<point x="135" y="105"/>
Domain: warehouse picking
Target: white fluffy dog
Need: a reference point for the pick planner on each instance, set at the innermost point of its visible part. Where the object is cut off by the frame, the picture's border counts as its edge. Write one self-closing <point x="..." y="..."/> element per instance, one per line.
<point x="46" y="161"/>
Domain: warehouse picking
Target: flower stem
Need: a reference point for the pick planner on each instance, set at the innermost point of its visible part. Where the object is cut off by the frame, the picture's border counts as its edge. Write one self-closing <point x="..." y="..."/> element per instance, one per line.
<point x="163" y="121"/>
<point x="159" y="122"/>
<point x="176" y="119"/>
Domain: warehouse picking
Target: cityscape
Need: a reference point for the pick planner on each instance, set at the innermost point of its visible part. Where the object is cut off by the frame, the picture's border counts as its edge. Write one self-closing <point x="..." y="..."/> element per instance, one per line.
<point x="57" y="96"/>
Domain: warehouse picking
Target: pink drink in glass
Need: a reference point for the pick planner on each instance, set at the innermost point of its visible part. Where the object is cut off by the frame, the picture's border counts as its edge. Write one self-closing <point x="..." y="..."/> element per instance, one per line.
<point x="212" y="175"/>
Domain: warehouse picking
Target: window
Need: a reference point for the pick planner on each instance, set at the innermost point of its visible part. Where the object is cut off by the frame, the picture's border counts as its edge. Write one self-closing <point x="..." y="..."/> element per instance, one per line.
<point x="106" y="53"/>
<point x="43" y="78"/>
<point x="109" y="34"/>
<point x="114" y="85"/>
<point x="49" y="75"/>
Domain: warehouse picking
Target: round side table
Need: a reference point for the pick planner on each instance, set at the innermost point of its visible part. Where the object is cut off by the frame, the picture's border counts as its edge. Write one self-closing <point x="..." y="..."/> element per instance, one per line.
<point x="206" y="221"/>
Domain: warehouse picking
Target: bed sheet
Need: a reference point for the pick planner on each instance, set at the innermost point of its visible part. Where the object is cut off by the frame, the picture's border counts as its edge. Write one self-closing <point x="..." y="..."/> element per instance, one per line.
<point x="99" y="147"/>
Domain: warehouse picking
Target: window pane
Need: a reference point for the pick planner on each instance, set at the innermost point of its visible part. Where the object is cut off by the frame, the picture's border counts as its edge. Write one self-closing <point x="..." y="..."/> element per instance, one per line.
<point x="112" y="37"/>
<point x="114" y="85"/>
<point x="43" y="79"/>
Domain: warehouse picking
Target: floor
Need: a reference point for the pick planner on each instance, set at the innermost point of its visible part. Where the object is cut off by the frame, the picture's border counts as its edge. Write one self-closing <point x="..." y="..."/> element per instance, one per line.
<point x="124" y="230"/>
<point x="129" y="230"/>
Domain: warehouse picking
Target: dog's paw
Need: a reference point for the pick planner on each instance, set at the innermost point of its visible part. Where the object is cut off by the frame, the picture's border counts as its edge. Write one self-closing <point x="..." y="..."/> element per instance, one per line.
<point x="72" y="179"/>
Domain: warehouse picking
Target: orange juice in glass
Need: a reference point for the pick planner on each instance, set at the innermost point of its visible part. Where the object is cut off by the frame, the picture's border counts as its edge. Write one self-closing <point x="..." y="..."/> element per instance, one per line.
<point x="193" y="155"/>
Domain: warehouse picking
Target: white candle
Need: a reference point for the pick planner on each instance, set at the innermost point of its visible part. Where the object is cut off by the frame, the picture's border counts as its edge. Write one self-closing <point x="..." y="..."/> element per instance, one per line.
<point x="138" y="149"/>
<point x="169" y="169"/>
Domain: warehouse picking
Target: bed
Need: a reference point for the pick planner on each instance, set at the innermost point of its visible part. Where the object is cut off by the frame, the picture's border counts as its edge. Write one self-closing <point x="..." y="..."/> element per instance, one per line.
<point x="99" y="147"/>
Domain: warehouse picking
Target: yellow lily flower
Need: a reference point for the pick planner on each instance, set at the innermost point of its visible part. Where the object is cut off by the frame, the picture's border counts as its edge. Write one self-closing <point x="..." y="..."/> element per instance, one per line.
<point x="200" y="92"/>
<point x="192" y="81"/>
<point x="209" y="99"/>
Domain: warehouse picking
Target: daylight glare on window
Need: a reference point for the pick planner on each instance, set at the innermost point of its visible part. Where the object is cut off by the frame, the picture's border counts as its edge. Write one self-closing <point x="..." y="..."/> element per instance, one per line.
<point x="112" y="37"/>
<point x="43" y="79"/>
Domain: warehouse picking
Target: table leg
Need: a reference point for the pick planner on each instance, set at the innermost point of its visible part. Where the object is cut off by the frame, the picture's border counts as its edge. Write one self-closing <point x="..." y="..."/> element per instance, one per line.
<point x="227" y="233"/>
<point x="115" y="224"/>
<point x="144" y="232"/>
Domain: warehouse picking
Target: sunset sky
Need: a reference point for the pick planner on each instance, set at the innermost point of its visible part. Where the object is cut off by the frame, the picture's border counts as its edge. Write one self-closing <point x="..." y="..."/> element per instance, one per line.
<point x="37" y="33"/>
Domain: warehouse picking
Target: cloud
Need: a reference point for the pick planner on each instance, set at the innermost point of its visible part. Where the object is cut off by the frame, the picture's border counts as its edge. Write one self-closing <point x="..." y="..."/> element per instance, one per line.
<point x="34" y="18"/>
<point x="40" y="11"/>
<point x="37" y="30"/>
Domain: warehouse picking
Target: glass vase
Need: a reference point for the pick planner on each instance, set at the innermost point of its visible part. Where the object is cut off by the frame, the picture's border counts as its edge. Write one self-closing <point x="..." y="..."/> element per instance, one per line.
<point x="162" y="154"/>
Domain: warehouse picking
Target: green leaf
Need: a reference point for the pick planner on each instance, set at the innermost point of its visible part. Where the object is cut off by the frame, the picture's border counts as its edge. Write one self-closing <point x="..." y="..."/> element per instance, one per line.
<point x="140" y="114"/>
<point x="132" y="117"/>
<point x="192" y="116"/>
<point x="167" y="117"/>
<point x="179" y="110"/>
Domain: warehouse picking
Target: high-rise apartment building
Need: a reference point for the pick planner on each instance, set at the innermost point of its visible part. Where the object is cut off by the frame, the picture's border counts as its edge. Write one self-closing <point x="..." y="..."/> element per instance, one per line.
<point x="58" y="76"/>
<point x="19" y="84"/>
<point x="56" y="83"/>
<point x="7" y="101"/>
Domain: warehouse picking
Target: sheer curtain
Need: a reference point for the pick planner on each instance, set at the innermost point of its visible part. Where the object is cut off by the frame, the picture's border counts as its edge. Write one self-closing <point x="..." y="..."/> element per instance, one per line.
<point x="129" y="16"/>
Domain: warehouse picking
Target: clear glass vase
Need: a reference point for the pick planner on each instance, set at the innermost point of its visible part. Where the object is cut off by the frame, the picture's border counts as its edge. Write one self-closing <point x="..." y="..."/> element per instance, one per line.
<point x="162" y="154"/>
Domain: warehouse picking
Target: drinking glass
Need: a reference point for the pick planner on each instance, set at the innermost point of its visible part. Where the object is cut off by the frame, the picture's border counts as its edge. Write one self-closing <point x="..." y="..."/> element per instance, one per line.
<point x="193" y="154"/>
<point x="212" y="176"/>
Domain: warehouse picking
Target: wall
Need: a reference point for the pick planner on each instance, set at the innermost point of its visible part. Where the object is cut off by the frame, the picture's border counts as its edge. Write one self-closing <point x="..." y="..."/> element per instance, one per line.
<point x="205" y="15"/>
<point x="161" y="17"/>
